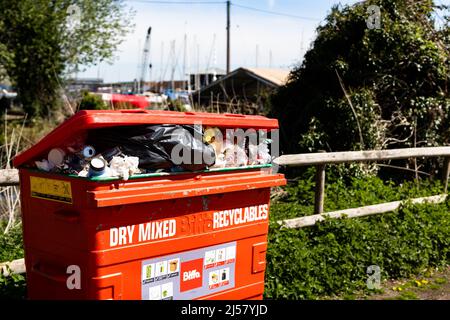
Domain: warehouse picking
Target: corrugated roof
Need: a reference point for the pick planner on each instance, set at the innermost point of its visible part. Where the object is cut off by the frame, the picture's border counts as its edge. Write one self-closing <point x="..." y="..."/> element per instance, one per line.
<point x="244" y="82"/>
<point x="210" y="71"/>
<point x="277" y="76"/>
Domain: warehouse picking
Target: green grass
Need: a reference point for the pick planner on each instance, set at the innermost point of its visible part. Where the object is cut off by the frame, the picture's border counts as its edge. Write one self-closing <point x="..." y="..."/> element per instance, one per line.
<point x="440" y="281"/>
<point x="13" y="287"/>
<point x="407" y="295"/>
<point x="332" y="257"/>
<point x="11" y="248"/>
<point x="11" y="244"/>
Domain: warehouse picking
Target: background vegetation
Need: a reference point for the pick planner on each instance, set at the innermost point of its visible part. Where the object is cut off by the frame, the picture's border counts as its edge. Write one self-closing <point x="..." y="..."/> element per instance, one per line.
<point x="370" y="88"/>
<point x="92" y="102"/>
<point x="362" y="88"/>
<point x="44" y="42"/>
<point x="332" y="257"/>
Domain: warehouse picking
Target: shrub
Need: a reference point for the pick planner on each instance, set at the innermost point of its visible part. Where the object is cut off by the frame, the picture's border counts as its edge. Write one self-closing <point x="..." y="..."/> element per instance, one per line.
<point x="332" y="257"/>
<point x="364" y="88"/>
<point x="92" y="102"/>
<point x="11" y="244"/>
<point x="11" y="248"/>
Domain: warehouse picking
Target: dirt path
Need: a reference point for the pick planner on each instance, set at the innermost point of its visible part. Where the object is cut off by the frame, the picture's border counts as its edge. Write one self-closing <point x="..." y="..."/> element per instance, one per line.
<point x="434" y="286"/>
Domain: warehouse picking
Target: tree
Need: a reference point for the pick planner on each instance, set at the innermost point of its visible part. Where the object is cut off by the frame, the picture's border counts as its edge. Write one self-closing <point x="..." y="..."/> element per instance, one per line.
<point x="5" y="57"/>
<point x="361" y="87"/>
<point x="45" y="40"/>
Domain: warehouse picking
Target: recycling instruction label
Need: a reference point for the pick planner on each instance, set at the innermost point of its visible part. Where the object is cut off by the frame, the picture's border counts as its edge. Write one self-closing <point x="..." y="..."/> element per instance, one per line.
<point x="190" y="274"/>
<point x="51" y="189"/>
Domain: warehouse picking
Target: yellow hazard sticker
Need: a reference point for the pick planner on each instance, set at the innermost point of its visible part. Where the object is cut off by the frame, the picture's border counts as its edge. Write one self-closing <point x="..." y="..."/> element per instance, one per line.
<point x="51" y="189"/>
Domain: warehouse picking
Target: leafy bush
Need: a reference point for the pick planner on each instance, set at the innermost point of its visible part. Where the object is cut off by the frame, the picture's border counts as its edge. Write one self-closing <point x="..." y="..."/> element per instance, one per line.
<point x="364" y="88"/>
<point x="348" y="192"/>
<point x="13" y="287"/>
<point x="40" y="48"/>
<point x="11" y="248"/>
<point x="92" y="102"/>
<point x="332" y="257"/>
<point x="11" y="244"/>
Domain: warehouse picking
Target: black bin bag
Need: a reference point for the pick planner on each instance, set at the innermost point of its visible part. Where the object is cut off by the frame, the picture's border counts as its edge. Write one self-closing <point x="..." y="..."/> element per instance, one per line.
<point x="157" y="146"/>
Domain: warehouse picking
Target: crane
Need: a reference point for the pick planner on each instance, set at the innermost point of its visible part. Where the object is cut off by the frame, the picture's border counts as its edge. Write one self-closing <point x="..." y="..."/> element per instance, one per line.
<point x="145" y="58"/>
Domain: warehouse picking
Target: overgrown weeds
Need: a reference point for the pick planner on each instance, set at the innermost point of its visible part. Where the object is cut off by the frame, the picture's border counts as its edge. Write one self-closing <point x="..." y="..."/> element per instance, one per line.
<point x="16" y="136"/>
<point x="333" y="256"/>
<point x="11" y="248"/>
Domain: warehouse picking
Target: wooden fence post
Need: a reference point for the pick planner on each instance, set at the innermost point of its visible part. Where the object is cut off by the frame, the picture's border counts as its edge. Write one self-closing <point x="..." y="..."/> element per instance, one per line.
<point x="319" y="188"/>
<point x="445" y="173"/>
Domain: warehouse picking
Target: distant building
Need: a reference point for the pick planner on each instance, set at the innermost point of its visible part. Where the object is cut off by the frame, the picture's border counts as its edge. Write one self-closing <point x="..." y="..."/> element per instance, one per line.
<point x="161" y="86"/>
<point x="243" y="85"/>
<point x="206" y="77"/>
<point x="84" y="84"/>
<point x="127" y="87"/>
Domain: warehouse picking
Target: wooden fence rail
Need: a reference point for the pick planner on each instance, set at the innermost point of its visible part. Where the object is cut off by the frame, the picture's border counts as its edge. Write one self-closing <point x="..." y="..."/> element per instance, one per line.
<point x="16" y="266"/>
<point x="320" y="160"/>
<point x="306" y="159"/>
<point x="358" y="212"/>
<point x="10" y="177"/>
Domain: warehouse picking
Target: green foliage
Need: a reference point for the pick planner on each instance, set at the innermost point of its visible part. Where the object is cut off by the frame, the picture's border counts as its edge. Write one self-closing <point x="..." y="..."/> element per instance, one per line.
<point x="41" y="45"/>
<point x="332" y="257"/>
<point x="92" y="102"/>
<point x="11" y="248"/>
<point x="343" y="193"/>
<point x="178" y="105"/>
<point x="11" y="244"/>
<point x="13" y="287"/>
<point x="5" y="57"/>
<point x="408" y="295"/>
<point x="395" y="78"/>
<point x="365" y="136"/>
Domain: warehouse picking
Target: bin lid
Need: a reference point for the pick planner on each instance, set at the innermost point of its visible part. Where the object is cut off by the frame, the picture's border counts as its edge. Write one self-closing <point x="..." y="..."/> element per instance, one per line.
<point x="85" y="120"/>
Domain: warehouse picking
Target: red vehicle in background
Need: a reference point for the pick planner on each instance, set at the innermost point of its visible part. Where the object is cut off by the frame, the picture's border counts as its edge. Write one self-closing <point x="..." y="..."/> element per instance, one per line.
<point x="120" y="101"/>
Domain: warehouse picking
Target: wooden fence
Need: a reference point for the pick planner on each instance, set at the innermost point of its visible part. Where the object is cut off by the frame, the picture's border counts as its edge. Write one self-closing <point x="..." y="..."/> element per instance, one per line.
<point x="320" y="160"/>
<point x="9" y="177"/>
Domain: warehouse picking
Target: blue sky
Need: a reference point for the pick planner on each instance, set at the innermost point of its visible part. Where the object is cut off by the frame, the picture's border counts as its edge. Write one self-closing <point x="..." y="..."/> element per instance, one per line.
<point x="284" y="38"/>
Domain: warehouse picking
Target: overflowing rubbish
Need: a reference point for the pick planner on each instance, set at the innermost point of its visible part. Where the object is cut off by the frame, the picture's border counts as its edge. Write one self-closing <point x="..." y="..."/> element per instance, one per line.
<point x="126" y="151"/>
<point x="235" y="156"/>
<point x="44" y="165"/>
<point x="88" y="152"/>
<point x="56" y="157"/>
<point x="259" y="154"/>
<point x="98" y="168"/>
<point x="124" y="167"/>
<point x="213" y="136"/>
<point x="110" y="153"/>
<point x="158" y="146"/>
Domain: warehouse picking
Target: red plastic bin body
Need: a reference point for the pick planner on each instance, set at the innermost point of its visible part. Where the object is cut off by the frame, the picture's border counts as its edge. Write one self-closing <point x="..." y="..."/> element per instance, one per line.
<point x="178" y="236"/>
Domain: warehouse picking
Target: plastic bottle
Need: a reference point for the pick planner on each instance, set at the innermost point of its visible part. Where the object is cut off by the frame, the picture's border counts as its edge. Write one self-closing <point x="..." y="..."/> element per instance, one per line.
<point x="98" y="168"/>
<point x="88" y="151"/>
